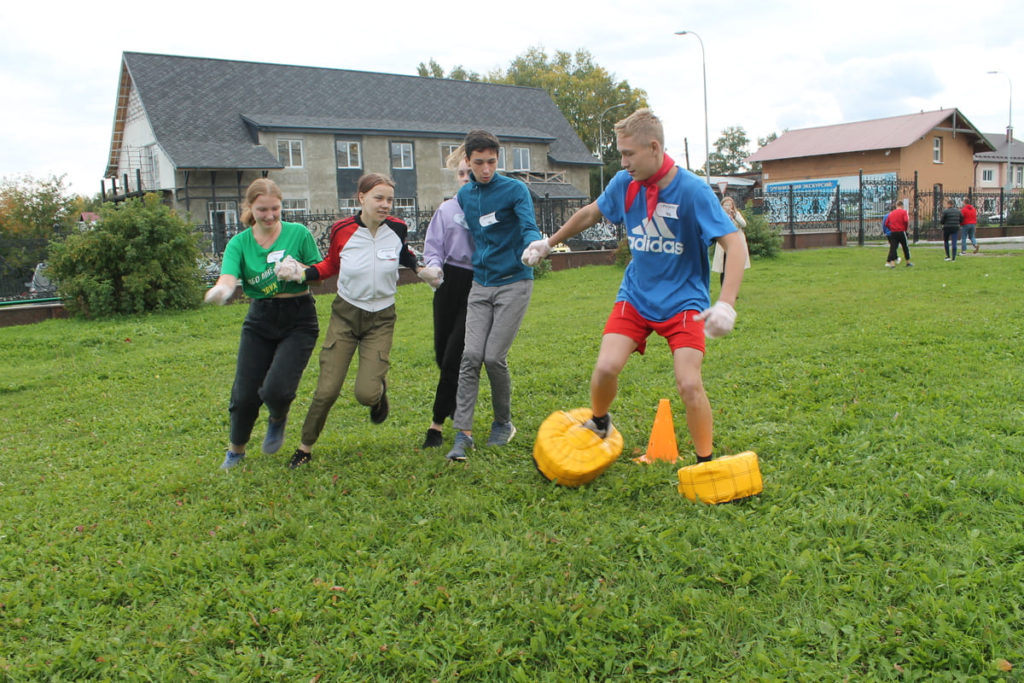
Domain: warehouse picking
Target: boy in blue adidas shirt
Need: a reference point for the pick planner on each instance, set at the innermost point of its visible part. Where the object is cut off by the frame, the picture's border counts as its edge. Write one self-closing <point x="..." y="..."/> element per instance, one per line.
<point x="671" y="217"/>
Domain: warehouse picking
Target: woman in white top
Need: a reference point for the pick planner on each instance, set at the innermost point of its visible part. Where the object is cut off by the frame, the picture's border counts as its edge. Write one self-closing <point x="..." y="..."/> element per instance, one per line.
<point x="718" y="264"/>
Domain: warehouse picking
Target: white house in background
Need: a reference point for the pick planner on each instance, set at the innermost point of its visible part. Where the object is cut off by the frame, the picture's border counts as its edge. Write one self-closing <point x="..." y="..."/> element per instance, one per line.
<point x="198" y="131"/>
<point x="990" y="167"/>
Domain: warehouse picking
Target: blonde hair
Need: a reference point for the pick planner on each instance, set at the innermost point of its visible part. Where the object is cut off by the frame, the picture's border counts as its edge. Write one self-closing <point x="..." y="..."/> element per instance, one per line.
<point x="256" y="189"/>
<point x="642" y="125"/>
<point x="457" y="156"/>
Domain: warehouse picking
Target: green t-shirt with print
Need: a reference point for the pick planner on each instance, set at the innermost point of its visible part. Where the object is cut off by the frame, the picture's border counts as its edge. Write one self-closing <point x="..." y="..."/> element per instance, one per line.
<point x="254" y="266"/>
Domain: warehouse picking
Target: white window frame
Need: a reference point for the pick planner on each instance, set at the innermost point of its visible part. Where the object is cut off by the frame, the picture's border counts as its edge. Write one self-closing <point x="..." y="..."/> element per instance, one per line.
<point x="348" y="206"/>
<point x="446" y="151"/>
<point x="501" y="158"/>
<point x="987" y="175"/>
<point x="520" y="154"/>
<point x="294" y="210"/>
<point x="405" y="155"/>
<point x="349" y="146"/>
<point x="292" y="148"/>
<point x="1019" y="176"/>
<point x="937" y="150"/>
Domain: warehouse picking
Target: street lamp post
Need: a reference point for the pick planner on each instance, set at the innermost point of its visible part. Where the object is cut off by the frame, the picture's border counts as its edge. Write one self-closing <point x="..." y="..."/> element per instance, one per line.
<point x="1009" y="141"/>
<point x="707" y="139"/>
<point x="600" y="136"/>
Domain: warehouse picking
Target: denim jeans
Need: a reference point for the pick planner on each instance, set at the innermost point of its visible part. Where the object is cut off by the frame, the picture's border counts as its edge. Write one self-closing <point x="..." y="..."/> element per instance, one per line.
<point x="967" y="232"/>
<point x="278" y="337"/>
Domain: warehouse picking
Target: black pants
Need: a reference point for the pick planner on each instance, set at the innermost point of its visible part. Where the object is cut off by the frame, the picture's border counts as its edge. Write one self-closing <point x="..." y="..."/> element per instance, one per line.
<point x="278" y="336"/>
<point x="950" y="235"/>
<point x="449" y="336"/>
<point x="896" y="239"/>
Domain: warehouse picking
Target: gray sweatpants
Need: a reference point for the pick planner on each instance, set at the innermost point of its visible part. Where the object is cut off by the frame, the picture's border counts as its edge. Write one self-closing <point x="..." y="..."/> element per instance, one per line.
<point x="493" y="317"/>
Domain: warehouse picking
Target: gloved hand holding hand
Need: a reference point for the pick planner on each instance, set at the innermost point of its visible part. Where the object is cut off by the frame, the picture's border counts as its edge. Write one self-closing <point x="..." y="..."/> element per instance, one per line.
<point x="536" y="251"/>
<point x="432" y="276"/>
<point x="289" y="269"/>
<point x="219" y="294"/>
<point x="718" y="320"/>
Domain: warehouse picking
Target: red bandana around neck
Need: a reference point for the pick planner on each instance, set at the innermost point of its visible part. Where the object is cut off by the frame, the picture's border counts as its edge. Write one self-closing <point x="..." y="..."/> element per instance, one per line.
<point x="652" y="186"/>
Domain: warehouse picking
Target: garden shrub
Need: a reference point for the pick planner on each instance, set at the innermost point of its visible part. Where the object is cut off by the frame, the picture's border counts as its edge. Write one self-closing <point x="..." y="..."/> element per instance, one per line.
<point x="622" y="254"/>
<point x="140" y="256"/>
<point x="762" y="240"/>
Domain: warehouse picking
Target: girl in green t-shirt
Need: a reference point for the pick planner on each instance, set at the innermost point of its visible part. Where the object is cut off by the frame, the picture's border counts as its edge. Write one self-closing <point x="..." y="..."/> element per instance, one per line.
<point x="280" y="329"/>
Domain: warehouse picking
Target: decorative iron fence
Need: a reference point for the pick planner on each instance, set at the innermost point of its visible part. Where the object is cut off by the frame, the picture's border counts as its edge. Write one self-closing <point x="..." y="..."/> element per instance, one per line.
<point x="858" y="210"/>
<point x="22" y="261"/>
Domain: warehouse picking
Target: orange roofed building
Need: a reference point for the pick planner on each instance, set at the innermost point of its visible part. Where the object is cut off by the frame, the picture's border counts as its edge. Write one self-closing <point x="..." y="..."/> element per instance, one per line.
<point x="938" y="145"/>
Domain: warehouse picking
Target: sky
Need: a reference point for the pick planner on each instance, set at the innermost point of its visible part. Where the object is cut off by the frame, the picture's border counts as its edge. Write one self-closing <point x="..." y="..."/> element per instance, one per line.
<point x="770" y="66"/>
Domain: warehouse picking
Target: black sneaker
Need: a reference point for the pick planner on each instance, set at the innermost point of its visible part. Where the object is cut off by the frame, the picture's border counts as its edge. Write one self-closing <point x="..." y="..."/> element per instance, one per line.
<point x="299" y="458"/>
<point x="435" y="439"/>
<point x="379" y="412"/>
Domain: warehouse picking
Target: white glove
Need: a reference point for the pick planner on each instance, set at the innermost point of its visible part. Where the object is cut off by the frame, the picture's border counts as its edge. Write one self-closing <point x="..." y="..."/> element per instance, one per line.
<point x="219" y="294"/>
<point x="290" y="269"/>
<point x="432" y="276"/>
<point x="718" y="320"/>
<point x="536" y="251"/>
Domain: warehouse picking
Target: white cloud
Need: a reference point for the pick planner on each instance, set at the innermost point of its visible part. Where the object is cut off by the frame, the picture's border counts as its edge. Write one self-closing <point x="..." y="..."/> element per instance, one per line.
<point x="770" y="66"/>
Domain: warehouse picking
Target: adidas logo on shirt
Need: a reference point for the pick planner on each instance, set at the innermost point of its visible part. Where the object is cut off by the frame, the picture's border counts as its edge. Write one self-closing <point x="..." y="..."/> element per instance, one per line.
<point x="654" y="236"/>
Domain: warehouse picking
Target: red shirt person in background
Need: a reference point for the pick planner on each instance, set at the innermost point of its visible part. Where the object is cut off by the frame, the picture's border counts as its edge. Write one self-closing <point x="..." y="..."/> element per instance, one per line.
<point x="897" y="223"/>
<point x="968" y="225"/>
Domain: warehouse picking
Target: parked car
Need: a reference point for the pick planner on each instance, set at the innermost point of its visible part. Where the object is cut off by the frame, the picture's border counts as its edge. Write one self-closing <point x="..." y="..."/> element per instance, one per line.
<point x="560" y="248"/>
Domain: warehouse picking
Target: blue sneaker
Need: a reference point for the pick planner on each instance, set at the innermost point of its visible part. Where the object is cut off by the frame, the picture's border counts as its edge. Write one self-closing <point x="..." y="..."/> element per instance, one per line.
<point x="463" y="443"/>
<point x="231" y="459"/>
<point x="501" y="433"/>
<point x="275" y="435"/>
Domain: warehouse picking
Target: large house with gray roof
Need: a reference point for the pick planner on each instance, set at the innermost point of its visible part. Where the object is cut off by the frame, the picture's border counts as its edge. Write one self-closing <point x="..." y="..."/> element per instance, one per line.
<point x="198" y="131"/>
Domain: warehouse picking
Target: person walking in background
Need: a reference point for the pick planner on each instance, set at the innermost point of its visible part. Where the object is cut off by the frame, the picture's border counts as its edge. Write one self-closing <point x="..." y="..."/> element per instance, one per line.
<point x="448" y="268"/>
<point x="671" y="217"/>
<point x="950" y="229"/>
<point x="499" y="214"/>
<point x="280" y="329"/>
<point x="897" y="222"/>
<point x="969" y="225"/>
<point x="718" y="263"/>
<point x="365" y="252"/>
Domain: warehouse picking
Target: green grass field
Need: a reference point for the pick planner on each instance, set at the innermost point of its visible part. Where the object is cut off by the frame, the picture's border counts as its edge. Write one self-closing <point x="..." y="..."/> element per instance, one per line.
<point x="888" y="544"/>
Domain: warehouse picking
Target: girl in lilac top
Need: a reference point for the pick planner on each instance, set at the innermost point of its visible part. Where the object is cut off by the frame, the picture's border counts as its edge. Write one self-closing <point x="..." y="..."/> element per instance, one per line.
<point x="448" y="268"/>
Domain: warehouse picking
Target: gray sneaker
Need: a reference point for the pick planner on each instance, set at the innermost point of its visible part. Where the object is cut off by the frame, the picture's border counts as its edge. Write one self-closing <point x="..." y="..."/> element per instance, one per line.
<point x="601" y="433"/>
<point x="501" y="433"/>
<point x="463" y="443"/>
<point x="231" y="459"/>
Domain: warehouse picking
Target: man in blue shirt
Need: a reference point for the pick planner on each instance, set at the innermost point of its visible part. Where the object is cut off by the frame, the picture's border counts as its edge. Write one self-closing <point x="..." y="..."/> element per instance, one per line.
<point x="671" y="217"/>
<point x="499" y="214"/>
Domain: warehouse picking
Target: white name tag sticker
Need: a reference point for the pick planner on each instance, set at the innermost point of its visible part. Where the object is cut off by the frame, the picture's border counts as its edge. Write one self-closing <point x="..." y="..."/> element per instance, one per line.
<point x="667" y="210"/>
<point x="387" y="254"/>
<point x="488" y="219"/>
<point x="275" y="256"/>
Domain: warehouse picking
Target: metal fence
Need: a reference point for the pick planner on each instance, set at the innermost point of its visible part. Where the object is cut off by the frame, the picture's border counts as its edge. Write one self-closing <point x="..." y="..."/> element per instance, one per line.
<point x="22" y="262"/>
<point x="809" y="206"/>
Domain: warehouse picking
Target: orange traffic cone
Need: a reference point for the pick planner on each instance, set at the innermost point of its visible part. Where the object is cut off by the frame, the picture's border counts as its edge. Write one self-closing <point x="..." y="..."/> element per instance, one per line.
<point x="662" y="444"/>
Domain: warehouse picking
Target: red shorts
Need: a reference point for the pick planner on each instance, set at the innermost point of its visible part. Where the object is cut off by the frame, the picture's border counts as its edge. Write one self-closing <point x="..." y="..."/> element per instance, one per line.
<point x="681" y="331"/>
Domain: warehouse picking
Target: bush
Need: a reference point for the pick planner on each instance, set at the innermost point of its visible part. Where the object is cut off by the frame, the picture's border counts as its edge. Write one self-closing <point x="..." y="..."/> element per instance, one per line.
<point x="762" y="241"/>
<point x="140" y="257"/>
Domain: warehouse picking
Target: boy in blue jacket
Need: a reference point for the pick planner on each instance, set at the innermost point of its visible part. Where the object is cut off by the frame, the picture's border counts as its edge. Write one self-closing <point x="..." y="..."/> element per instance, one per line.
<point x="499" y="214"/>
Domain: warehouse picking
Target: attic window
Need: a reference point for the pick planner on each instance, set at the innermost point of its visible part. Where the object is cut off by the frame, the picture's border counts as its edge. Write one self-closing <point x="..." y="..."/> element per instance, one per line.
<point x="937" y="150"/>
<point x="289" y="153"/>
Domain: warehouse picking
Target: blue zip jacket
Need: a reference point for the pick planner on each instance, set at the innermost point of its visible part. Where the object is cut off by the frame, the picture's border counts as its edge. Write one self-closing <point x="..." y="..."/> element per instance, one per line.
<point x="500" y="216"/>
